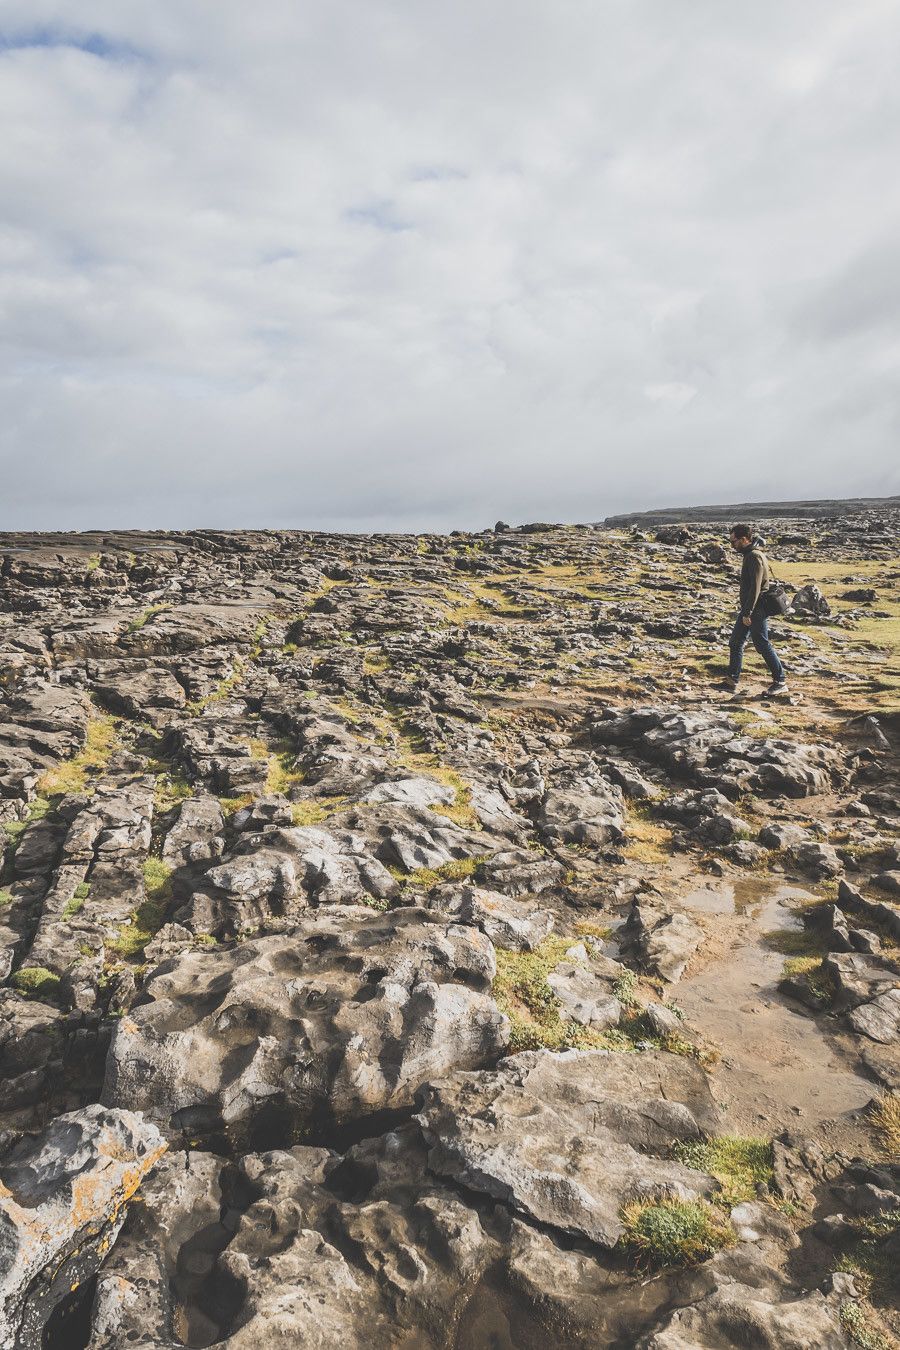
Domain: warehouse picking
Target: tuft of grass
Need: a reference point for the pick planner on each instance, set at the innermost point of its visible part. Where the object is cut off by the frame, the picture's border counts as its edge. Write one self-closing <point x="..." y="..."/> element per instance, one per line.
<point x="459" y="811"/>
<point x="886" y="1119"/>
<point x="170" y="789"/>
<point x="146" y="921"/>
<point x="137" y="624"/>
<point x="739" y="1164"/>
<point x="794" y="942"/>
<point x="315" y="811"/>
<point x="460" y="869"/>
<point x="76" y="904"/>
<point x="36" y="982"/>
<point x="810" y="969"/>
<point x="230" y="805"/>
<point x="870" y="1261"/>
<point x="646" y="841"/>
<point x="5" y="898"/>
<point x="669" y="1232"/>
<point x="859" y="1328"/>
<point x="73" y="775"/>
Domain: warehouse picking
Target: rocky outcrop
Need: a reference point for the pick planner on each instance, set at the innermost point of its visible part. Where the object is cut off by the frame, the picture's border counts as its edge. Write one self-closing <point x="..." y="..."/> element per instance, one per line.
<point x="63" y="1199"/>
<point x="569" y="1139"/>
<point x="332" y="1020"/>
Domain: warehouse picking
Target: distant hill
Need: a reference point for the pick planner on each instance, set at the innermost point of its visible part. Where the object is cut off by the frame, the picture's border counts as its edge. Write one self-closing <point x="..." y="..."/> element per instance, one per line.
<point x="828" y="507"/>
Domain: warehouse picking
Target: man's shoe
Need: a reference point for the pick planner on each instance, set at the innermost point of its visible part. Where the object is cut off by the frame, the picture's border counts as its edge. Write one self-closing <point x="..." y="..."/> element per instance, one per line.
<point x="775" y="688"/>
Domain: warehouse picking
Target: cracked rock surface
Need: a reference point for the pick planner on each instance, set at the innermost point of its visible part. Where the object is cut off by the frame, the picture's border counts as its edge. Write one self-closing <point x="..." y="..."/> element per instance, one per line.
<point x="404" y="944"/>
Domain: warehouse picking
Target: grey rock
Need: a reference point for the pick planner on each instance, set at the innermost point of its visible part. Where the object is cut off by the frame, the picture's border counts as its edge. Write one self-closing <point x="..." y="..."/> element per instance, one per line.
<point x="63" y="1199"/>
<point x="568" y="1139"/>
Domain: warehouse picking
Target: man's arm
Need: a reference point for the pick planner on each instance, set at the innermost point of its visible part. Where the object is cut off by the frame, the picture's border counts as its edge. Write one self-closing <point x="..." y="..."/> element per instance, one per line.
<point x="753" y="585"/>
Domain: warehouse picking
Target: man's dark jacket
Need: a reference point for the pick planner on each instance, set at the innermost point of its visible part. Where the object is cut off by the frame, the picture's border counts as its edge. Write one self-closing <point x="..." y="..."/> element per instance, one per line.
<point x="755" y="577"/>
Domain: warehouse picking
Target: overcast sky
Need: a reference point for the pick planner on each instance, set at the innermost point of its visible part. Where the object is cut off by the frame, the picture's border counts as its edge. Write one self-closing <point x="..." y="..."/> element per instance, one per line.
<point x="365" y="264"/>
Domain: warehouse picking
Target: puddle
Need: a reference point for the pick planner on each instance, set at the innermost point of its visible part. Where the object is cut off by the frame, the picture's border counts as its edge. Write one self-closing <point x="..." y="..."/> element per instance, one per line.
<point x="735" y="896"/>
<point x="779" y="1068"/>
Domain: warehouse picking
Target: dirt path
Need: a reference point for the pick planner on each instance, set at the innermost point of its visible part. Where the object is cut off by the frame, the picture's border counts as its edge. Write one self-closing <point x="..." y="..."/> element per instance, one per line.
<point x="780" y="1068"/>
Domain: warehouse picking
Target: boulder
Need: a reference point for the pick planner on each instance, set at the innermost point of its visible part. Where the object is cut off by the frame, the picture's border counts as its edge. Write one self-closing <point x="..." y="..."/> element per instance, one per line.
<point x="339" y="1017"/>
<point x="63" y="1199"/>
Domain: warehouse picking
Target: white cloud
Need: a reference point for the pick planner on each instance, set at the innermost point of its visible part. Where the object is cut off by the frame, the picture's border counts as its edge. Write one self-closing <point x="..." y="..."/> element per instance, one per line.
<point x="390" y="265"/>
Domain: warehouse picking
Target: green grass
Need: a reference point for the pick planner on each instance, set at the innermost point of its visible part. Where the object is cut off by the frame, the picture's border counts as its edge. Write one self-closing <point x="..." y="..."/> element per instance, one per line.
<point x="36" y="982"/>
<point x="149" y="916"/>
<point x="314" y="812"/>
<point x="460" y="869"/>
<point x="858" y="1327"/>
<point x="740" y="1165"/>
<point x="73" y="774"/>
<point x="76" y="904"/>
<point x="137" y="624"/>
<point x="93" y="562"/>
<point x="886" y="1119"/>
<point x="812" y="972"/>
<point x="875" y="1270"/>
<point x="5" y="898"/>
<point x="664" y="1233"/>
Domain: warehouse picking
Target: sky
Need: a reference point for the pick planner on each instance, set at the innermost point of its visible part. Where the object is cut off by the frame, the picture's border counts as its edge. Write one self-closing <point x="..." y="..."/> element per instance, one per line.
<point x="366" y="265"/>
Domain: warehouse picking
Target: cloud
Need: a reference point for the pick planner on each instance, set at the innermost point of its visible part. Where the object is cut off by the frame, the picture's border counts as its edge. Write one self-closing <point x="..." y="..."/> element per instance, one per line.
<point x="389" y="266"/>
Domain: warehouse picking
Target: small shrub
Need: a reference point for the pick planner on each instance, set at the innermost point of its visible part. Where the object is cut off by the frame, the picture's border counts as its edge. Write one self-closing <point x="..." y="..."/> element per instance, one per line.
<point x="859" y="1328"/>
<point x="674" y="1232"/>
<point x="5" y="898"/>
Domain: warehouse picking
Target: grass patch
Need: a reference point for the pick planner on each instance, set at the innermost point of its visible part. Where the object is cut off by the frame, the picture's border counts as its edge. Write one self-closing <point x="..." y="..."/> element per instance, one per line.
<point x="171" y="788"/>
<point x="459" y="811"/>
<point x="740" y="1165"/>
<point x="794" y="942"/>
<point x="859" y="1328"/>
<point x="886" y="1119"/>
<point x="459" y="869"/>
<point x="145" y="616"/>
<point x="673" y="1232"/>
<point x="93" y="562"/>
<point x="870" y="1261"/>
<point x="811" y="971"/>
<point x="73" y="775"/>
<point x="315" y="811"/>
<point x="230" y="805"/>
<point x="36" y="982"/>
<point x="148" y="918"/>
<point x="5" y="898"/>
<point x="646" y="840"/>
<point x="76" y="904"/>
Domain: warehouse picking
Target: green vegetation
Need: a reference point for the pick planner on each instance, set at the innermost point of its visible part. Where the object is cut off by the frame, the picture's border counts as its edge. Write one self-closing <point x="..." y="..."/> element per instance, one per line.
<point x="73" y="775"/>
<point x="859" y="1328"/>
<point x="886" y="1119"/>
<point x="137" y="624"/>
<point x="36" y="982"/>
<point x="870" y="1261"/>
<point x="811" y="970"/>
<point x="646" y="840"/>
<point x="146" y="921"/>
<point x="740" y="1165"/>
<point x="460" y="869"/>
<point x="673" y="1232"/>
<point x="315" y="811"/>
<point x="76" y="904"/>
<point x="170" y="790"/>
<point x="93" y="562"/>
<point x="230" y="805"/>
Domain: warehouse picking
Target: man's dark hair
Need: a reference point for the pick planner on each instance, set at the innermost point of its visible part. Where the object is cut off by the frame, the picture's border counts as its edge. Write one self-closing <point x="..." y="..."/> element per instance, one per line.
<point x="742" y="531"/>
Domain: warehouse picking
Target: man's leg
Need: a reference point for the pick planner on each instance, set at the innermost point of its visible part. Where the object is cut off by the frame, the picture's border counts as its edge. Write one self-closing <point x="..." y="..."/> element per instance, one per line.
<point x="736" y="649"/>
<point x="759" y="631"/>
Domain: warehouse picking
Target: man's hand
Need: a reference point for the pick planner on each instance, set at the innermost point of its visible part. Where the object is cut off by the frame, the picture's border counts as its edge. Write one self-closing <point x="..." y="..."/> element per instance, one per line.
<point x="746" y="622"/>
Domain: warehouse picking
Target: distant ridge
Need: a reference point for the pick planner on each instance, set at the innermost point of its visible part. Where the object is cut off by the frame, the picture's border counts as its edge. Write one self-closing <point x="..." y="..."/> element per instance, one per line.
<point x="756" y="510"/>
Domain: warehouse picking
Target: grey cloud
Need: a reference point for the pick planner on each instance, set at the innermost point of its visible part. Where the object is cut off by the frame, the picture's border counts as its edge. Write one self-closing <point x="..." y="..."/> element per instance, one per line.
<point x="401" y="266"/>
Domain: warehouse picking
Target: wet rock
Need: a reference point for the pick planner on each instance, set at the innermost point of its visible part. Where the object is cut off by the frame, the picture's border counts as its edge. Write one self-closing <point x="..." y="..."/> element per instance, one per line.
<point x="568" y="1138"/>
<point x="63" y="1199"/>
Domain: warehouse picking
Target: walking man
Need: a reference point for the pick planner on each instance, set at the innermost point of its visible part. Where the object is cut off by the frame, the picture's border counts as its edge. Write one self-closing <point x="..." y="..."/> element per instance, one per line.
<point x="753" y="621"/>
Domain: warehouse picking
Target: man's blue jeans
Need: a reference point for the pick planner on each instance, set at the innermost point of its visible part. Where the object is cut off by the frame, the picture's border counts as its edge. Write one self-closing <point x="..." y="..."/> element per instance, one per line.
<point x="759" y="632"/>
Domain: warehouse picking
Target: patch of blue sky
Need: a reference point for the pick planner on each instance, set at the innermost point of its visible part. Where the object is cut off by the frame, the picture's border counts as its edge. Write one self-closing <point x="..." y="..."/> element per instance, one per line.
<point x="108" y="49"/>
<point x="436" y="173"/>
<point x="379" y="215"/>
